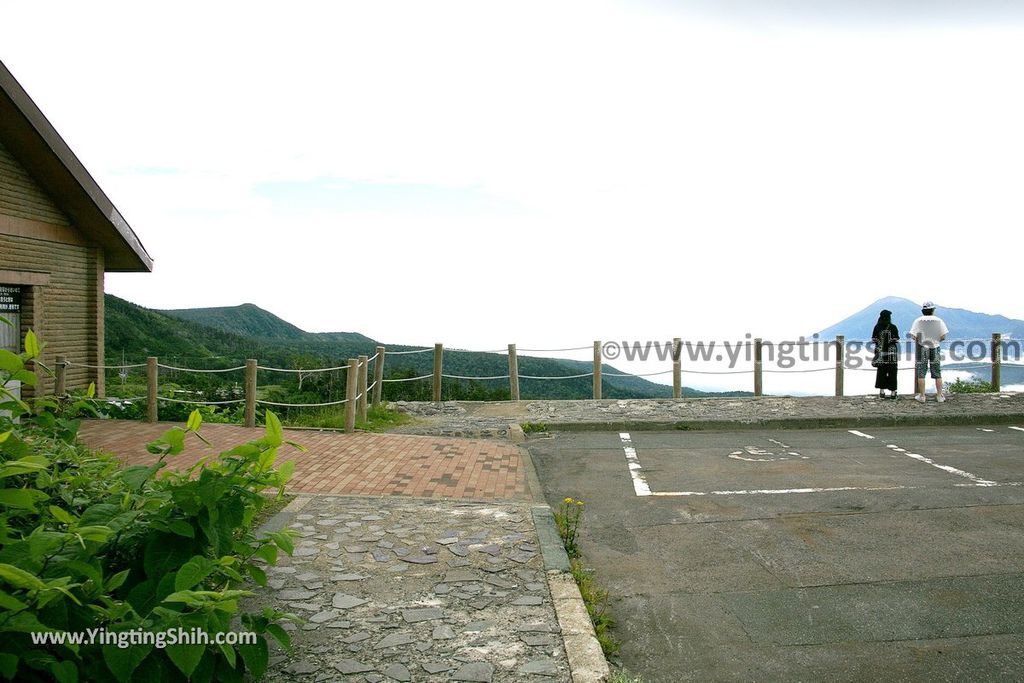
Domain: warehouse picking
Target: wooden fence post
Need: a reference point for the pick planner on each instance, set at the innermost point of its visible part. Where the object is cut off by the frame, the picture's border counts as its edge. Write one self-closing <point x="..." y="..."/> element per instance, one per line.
<point x="250" y="392"/>
<point x="378" y="376"/>
<point x="677" y="368"/>
<point x="60" y="381"/>
<point x="513" y="372"/>
<point x="997" y="360"/>
<point x="351" y="382"/>
<point x="438" y="367"/>
<point x="758" y="382"/>
<point x="363" y="372"/>
<point x="840" y="353"/>
<point x="597" y="371"/>
<point x="152" y="372"/>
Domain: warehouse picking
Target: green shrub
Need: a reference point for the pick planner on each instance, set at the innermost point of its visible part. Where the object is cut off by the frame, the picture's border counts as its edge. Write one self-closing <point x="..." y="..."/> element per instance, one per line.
<point x="971" y="386"/>
<point x="86" y="544"/>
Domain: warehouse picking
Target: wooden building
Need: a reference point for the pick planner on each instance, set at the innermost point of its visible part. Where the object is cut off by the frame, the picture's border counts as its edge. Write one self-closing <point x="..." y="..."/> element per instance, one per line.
<point x="59" y="234"/>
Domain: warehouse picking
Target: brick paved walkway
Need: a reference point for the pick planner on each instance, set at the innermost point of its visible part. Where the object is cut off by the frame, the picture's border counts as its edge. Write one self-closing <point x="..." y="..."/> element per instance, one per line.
<point x="355" y="464"/>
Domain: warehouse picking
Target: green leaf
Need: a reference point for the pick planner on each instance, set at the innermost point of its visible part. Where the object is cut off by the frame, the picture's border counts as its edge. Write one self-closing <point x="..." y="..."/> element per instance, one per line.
<point x="284" y="472"/>
<point x="257" y="574"/>
<point x="280" y="635"/>
<point x="99" y="514"/>
<point x="64" y="672"/>
<point x="91" y="391"/>
<point x="19" y="578"/>
<point x="31" y="344"/>
<point x="255" y="657"/>
<point x="94" y="533"/>
<point x="137" y="475"/>
<point x="10" y="362"/>
<point x="193" y="572"/>
<point x="185" y="657"/>
<point x="8" y="665"/>
<point x="230" y="655"/>
<point x="283" y="540"/>
<point x="195" y="420"/>
<point x="164" y="553"/>
<point x="274" y="435"/>
<point x="117" y="580"/>
<point x="8" y="601"/>
<point x="25" y="499"/>
<point x="25" y="377"/>
<point x="182" y="528"/>
<point x="61" y="515"/>
<point x="25" y="465"/>
<point x="268" y="552"/>
<point x="175" y="438"/>
<point x="123" y="661"/>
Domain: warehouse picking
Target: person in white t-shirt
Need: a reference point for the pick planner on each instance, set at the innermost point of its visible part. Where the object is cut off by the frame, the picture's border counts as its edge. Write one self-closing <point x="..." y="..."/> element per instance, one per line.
<point x="928" y="331"/>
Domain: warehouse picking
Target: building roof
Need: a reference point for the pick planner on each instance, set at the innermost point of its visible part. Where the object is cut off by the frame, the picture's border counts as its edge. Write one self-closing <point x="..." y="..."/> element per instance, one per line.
<point x="37" y="146"/>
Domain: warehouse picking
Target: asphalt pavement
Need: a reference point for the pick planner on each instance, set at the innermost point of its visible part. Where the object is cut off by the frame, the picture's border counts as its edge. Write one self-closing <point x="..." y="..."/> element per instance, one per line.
<point x="869" y="554"/>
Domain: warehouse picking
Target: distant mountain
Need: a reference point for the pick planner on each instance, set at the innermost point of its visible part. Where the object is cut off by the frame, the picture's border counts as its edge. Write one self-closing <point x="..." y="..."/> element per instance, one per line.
<point x="249" y="320"/>
<point x="963" y="324"/>
<point x="225" y="336"/>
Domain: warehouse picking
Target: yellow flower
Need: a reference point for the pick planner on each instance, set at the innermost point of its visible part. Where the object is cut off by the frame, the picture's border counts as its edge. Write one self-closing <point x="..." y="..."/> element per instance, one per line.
<point x="568" y="501"/>
<point x="580" y="503"/>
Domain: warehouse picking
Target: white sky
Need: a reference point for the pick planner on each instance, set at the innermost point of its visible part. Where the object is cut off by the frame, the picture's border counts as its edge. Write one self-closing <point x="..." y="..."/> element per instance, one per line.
<point x="546" y="173"/>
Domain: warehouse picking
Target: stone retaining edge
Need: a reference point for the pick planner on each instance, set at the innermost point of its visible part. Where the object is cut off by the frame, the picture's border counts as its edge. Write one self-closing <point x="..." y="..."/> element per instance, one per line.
<point x="786" y="423"/>
<point x="587" y="663"/>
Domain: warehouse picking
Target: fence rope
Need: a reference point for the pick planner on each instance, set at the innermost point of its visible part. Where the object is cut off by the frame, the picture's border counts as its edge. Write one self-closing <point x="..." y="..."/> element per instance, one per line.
<point x="199" y="403"/>
<point x="171" y="367"/>
<point x="403" y="353"/>
<point x="409" y="379"/>
<point x="574" y="348"/>
<point x="588" y="374"/>
<point x="645" y="374"/>
<point x="340" y="367"/>
<point x="302" y="405"/>
<point x="480" y="378"/>
<point x="103" y="367"/>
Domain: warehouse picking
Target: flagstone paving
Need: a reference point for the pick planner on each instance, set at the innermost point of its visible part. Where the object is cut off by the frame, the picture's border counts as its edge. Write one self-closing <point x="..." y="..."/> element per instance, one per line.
<point x="414" y="590"/>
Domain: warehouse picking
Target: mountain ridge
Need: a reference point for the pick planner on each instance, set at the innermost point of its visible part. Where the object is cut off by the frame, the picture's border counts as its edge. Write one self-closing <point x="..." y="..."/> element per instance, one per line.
<point x="962" y="323"/>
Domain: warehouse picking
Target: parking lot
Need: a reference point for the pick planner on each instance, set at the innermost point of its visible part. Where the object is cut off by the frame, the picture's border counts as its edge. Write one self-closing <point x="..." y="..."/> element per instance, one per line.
<point x="874" y="554"/>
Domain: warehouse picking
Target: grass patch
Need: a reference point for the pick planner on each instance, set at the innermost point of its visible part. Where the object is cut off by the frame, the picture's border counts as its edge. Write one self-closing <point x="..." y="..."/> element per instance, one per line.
<point x="273" y="505"/>
<point x="568" y="518"/>
<point x="972" y="386"/>
<point x="623" y="676"/>
<point x="596" y="600"/>
<point x="534" y="428"/>
<point x="379" y="418"/>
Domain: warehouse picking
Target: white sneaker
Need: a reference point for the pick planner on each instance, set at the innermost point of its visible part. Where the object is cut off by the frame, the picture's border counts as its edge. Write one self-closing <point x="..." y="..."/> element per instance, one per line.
<point x="919" y="398"/>
<point x="940" y="398"/>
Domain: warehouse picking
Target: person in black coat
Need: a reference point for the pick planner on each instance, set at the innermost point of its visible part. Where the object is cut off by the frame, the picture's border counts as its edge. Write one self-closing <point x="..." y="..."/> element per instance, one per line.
<point x="886" y="339"/>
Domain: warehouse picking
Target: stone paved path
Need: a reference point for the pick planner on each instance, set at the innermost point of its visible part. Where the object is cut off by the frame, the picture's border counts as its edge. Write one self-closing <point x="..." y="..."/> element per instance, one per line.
<point x="400" y="590"/>
<point x="357" y="464"/>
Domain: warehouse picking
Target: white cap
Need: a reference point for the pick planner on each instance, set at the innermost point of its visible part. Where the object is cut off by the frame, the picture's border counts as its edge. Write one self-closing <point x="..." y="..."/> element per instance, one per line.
<point x="928" y="304"/>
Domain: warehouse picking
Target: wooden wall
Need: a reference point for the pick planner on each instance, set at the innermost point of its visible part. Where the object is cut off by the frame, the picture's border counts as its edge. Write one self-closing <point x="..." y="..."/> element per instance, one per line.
<point x="61" y="274"/>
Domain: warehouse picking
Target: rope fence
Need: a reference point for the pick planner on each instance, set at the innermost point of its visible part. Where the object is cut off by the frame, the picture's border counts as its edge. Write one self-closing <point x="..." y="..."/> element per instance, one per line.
<point x="752" y="355"/>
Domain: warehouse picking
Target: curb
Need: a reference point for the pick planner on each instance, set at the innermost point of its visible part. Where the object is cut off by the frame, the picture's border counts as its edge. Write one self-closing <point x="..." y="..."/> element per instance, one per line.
<point x="787" y="423"/>
<point x="587" y="663"/>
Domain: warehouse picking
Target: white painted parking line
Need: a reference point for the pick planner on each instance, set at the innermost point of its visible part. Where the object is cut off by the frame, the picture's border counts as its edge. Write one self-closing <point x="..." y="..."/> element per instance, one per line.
<point x="642" y="488"/>
<point x="978" y="481"/>
<point x="1019" y="429"/>
<point x="982" y="429"/>
<point x="771" y="491"/>
<point x="635" y="471"/>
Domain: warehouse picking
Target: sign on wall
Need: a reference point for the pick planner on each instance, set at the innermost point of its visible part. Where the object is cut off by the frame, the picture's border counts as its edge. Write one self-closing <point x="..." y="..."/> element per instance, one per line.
<point x="10" y="298"/>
